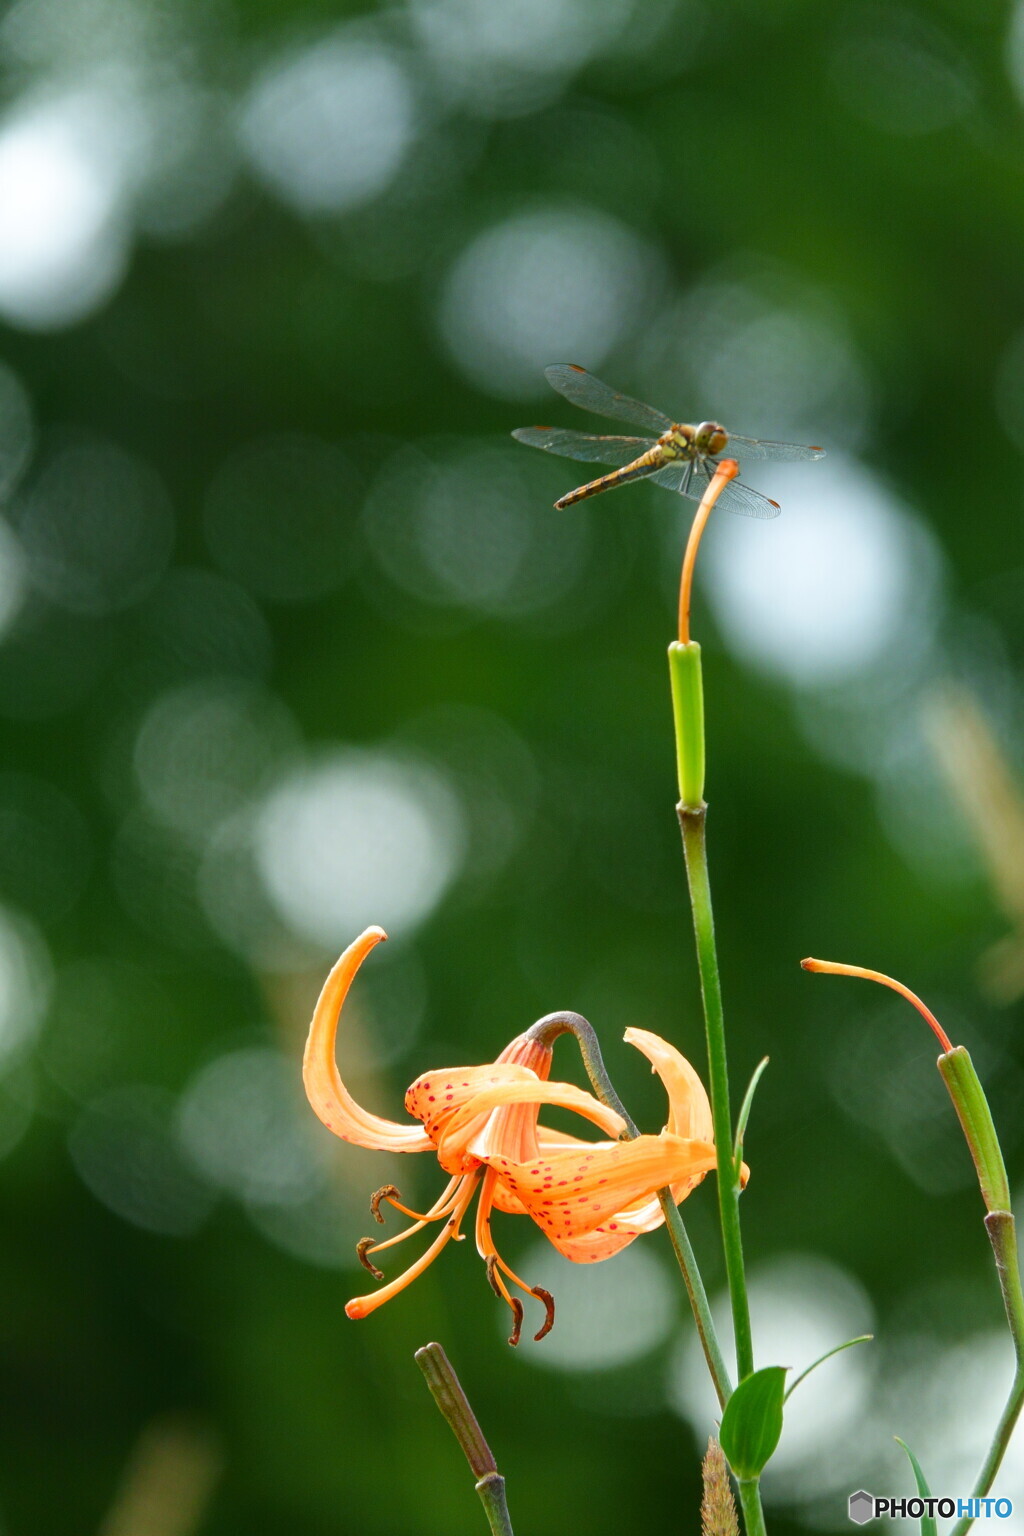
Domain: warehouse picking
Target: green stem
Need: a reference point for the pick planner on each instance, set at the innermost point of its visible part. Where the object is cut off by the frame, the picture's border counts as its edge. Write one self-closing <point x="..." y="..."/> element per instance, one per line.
<point x="750" y="1499"/>
<point x="692" y="823"/>
<point x="687" y="1262"/>
<point x="1002" y="1233"/>
<point x="545" y="1032"/>
<point x="491" y="1489"/>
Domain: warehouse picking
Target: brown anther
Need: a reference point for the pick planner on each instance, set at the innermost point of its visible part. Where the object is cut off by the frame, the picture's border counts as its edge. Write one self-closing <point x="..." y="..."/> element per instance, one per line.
<point x="362" y="1246"/>
<point x="549" y="1304"/>
<point x="491" y="1265"/>
<point x="517" y="1325"/>
<point x="386" y="1192"/>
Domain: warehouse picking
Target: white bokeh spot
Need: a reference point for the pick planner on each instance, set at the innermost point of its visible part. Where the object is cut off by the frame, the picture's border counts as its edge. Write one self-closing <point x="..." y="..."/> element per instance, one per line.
<point x="823" y="592"/>
<point x="329" y="126"/>
<point x="609" y="1314"/>
<point x="560" y="284"/>
<point x="358" y="838"/>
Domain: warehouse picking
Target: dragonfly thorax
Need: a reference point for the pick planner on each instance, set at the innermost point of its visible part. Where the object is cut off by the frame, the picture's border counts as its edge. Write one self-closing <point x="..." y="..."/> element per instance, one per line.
<point x="679" y="442"/>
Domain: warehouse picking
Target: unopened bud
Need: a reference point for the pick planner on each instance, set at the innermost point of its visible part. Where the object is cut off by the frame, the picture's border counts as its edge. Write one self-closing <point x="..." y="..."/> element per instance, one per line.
<point x="688" y="713"/>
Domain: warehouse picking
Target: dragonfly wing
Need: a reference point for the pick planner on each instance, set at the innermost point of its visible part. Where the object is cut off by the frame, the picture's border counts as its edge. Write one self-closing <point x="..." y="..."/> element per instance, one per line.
<point x="750" y="448"/>
<point x="747" y="502"/>
<point x="583" y="445"/>
<point x="692" y="478"/>
<point x="680" y="477"/>
<point x="582" y="389"/>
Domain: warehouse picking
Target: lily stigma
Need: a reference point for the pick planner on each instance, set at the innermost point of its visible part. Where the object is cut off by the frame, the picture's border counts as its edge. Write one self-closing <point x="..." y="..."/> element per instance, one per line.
<point x="590" y="1199"/>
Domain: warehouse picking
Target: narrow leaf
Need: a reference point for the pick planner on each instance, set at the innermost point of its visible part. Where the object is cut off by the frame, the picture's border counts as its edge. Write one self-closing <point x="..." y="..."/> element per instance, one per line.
<point x="862" y="1338"/>
<point x="928" y="1526"/>
<point x="752" y="1421"/>
<point x="748" y="1099"/>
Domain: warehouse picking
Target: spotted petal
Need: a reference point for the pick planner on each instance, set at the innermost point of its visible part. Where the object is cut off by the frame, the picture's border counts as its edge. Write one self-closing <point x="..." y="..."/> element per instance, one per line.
<point x="581" y="1190"/>
<point x="439" y="1097"/>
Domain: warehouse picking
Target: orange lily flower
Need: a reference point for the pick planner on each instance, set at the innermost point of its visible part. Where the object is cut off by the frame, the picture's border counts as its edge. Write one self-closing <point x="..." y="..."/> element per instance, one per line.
<point x="591" y="1199"/>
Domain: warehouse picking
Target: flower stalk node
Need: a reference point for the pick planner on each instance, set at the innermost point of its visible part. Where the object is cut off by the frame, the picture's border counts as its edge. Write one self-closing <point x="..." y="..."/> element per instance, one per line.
<point x="364" y="1247"/>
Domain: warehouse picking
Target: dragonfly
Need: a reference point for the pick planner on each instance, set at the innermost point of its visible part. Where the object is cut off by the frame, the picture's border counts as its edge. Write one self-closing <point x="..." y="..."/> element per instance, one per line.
<point x="679" y="456"/>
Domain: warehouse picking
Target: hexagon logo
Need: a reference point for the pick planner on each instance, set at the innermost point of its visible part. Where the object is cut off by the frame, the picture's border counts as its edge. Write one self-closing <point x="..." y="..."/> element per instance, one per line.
<point x="862" y="1507"/>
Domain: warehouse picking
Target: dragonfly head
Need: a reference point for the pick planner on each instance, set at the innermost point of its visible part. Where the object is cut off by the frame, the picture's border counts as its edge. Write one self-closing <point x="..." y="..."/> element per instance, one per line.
<point x="711" y="438"/>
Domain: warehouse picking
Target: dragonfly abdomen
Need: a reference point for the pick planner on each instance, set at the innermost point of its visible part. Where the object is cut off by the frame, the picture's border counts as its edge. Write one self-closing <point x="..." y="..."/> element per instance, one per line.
<point x="645" y="465"/>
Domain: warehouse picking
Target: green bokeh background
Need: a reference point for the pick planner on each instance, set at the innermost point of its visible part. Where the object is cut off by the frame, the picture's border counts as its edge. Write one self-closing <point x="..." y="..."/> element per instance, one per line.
<point x="860" y="167"/>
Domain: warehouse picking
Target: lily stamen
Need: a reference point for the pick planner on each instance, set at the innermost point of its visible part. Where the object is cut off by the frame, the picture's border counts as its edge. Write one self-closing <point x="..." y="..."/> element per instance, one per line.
<point x="364" y="1247"/>
<point x="390" y="1193"/>
<point x="496" y="1265"/>
<point x="384" y="1193"/>
<point x="501" y="1290"/>
<point x="362" y="1306"/>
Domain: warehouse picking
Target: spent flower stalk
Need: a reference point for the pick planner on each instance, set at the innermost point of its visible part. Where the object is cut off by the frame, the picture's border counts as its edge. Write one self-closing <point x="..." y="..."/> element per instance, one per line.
<point x="972" y="1108"/>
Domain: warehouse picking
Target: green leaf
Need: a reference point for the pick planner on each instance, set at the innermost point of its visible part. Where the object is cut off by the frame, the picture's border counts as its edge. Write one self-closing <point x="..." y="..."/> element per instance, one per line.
<point x="928" y="1527"/>
<point x="752" y="1421"/>
<point x="744" y="1116"/>
<point x="862" y="1338"/>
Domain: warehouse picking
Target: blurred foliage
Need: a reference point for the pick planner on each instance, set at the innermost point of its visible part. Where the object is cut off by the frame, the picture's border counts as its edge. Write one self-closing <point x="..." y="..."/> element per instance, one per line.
<point x="291" y="635"/>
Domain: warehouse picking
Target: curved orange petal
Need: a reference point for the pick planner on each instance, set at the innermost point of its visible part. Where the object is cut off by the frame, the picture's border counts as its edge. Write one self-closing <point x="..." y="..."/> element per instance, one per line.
<point x="326" y="1092"/>
<point x="547" y="1141"/>
<point x="689" y="1109"/>
<point x="504" y="1200"/>
<point x="595" y="1246"/>
<point x="438" y="1096"/>
<point x="573" y="1192"/>
<point x="491" y="1143"/>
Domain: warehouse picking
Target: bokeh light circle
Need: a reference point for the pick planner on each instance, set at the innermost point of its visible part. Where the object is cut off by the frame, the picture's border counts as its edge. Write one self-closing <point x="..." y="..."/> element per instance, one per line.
<point x="559" y="284"/>
<point x="358" y="838"/>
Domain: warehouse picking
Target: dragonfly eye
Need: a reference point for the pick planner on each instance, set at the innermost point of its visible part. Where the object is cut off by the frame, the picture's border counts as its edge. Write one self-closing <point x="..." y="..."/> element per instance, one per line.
<point x="711" y="438"/>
